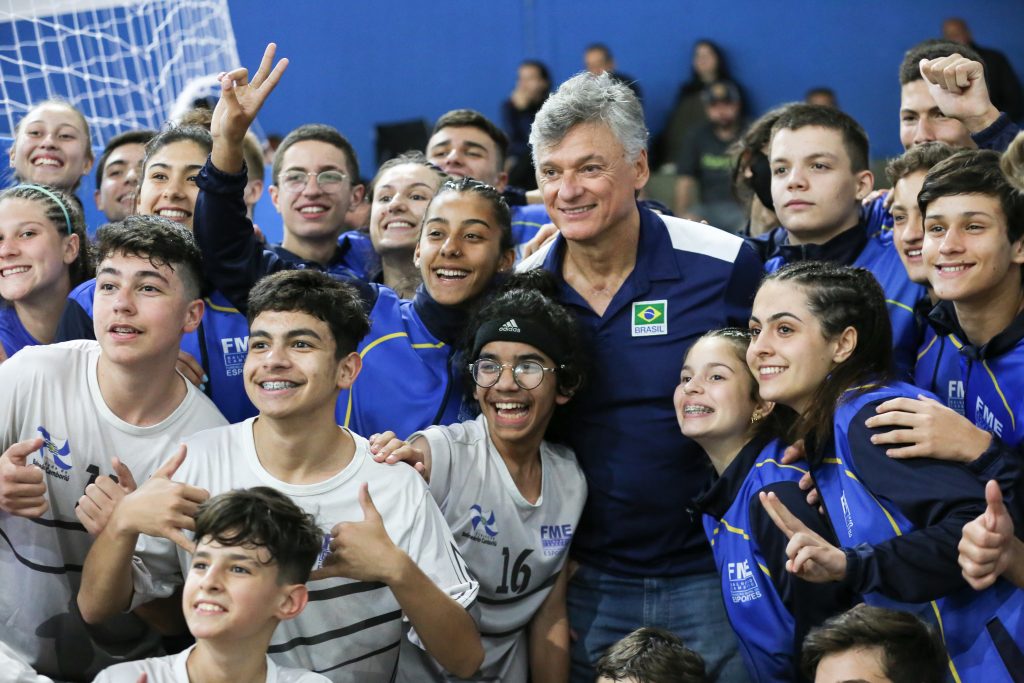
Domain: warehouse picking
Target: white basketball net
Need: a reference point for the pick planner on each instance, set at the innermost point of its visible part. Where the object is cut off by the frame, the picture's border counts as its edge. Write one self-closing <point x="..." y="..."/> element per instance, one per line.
<point x="125" y="64"/>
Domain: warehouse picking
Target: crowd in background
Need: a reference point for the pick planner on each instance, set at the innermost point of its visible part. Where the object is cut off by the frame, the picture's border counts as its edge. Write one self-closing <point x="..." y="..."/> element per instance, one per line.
<point x="500" y="414"/>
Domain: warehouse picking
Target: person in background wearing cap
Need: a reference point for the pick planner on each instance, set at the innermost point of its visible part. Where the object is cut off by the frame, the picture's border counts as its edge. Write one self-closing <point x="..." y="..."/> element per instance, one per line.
<point x="511" y="498"/>
<point x="704" y="163"/>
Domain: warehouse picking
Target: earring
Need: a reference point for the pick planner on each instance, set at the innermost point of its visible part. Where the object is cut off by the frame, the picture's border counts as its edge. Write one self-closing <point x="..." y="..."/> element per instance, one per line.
<point x="755" y="417"/>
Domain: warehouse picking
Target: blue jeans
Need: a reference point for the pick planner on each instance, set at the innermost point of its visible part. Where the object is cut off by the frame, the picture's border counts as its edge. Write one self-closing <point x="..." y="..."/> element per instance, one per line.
<point x="604" y="608"/>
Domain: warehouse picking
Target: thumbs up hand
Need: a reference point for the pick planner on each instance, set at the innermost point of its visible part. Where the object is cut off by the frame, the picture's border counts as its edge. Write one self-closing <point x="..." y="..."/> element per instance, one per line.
<point x="101" y="497"/>
<point x="987" y="547"/>
<point x="363" y="550"/>
<point x="161" y="507"/>
<point x="22" y="489"/>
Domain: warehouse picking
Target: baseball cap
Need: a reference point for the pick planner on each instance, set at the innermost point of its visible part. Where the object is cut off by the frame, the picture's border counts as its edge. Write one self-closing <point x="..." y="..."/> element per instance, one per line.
<point x="720" y="91"/>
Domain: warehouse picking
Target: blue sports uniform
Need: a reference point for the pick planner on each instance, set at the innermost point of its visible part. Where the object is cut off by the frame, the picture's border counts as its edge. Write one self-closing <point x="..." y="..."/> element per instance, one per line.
<point x="410" y="377"/>
<point x="688" y="279"/>
<point x="220" y="344"/>
<point x="770" y="610"/>
<point x="986" y="385"/>
<point x="344" y="263"/>
<point x="354" y="257"/>
<point x="13" y="335"/>
<point x="998" y="136"/>
<point x="869" y="246"/>
<point x="899" y="522"/>
<point x="527" y="219"/>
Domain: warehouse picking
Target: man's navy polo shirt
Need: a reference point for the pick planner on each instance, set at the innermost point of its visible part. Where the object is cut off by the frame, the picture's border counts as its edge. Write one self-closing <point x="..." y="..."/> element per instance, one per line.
<point x="641" y="471"/>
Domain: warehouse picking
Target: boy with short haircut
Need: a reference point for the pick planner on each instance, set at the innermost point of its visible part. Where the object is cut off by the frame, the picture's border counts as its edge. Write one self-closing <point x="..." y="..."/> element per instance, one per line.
<point x="467" y="144"/>
<point x="72" y="415"/>
<point x="254" y="551"/>
<point x="944" y="98"/>
<point x="304" y="329"/>
<point x="973" y="250"/>
<point x="939" y="360"/>
<point x="874" y="644"/>
<point x="819" y="162"/>
<point x="117" y="173"/>
<point x="511" y="498"/>
<point x="906" y="174"/>
<point x="314" y="181"/>
<point x="651" y="655"/>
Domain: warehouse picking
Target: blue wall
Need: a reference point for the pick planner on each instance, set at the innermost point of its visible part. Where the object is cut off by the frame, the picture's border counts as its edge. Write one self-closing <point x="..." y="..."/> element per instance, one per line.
<point x="358" y="64"/>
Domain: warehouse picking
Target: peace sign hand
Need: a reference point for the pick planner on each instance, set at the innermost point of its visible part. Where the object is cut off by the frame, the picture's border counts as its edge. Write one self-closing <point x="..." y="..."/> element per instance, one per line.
<point x="241" y="98"/>
<point x="811" y="557"/>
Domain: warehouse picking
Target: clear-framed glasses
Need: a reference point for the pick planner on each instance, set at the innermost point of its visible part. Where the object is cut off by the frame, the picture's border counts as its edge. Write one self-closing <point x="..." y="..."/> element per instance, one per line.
<point x="528" y="374"/>
<point x="295" y="181"/>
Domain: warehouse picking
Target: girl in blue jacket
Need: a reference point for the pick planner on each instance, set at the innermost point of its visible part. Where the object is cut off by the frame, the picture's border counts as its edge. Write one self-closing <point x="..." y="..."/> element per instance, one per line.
<point x="822" y="347"/>
<point x="718" y="406"/>
<point x="409" y="377"/>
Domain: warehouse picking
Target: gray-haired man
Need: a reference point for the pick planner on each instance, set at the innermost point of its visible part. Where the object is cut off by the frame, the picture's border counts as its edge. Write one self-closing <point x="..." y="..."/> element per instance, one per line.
<point x="644" y="287"/>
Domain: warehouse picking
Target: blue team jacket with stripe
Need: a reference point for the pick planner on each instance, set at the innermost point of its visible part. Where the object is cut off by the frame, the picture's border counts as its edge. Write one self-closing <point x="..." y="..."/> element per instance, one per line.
<point x="408" y="381"/>
<point x="770" y="610"/>
<point x="899" y="522"/>
<point x="984" y="383"/>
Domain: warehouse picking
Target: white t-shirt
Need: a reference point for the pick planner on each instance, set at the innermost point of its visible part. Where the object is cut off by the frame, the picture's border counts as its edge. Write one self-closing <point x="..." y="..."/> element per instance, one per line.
<point x="52" y="391"/>
<point x="514" y="548"/>
<point x="173" y="669"/>
<point x="350" y="630"/>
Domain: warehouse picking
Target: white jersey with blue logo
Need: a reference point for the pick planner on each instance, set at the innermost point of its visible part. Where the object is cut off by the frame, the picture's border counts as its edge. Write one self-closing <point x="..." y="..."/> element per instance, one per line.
<point x="174" y="669"/>
<point x="52" y="392"/>
<point x="350" y="631"/>
<point x="514" y="548"/>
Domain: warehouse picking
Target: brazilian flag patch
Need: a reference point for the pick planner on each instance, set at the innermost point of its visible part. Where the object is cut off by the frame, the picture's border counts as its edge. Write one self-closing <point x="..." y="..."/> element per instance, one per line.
<point x="650" y="318"/>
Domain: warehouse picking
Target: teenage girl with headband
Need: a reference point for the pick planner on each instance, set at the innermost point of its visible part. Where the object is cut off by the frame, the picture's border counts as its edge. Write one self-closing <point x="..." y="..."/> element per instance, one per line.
<point x="44" y="253"/>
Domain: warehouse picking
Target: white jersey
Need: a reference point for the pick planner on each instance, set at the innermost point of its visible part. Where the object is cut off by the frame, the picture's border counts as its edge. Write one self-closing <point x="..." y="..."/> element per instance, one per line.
<point x="52" y="392"/>
<point x="173" y="669"/>
<point x="514" y="548"/>
<point x="350" y="630"/>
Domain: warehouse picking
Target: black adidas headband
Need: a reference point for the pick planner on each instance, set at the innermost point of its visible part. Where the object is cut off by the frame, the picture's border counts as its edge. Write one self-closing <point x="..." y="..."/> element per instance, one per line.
<point x="523" y="330"/>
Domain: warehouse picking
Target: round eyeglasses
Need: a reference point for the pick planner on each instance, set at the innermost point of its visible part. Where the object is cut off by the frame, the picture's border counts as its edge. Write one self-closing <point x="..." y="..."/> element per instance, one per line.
<point x="528" y="374"/>
<point x="295" y="181"/>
